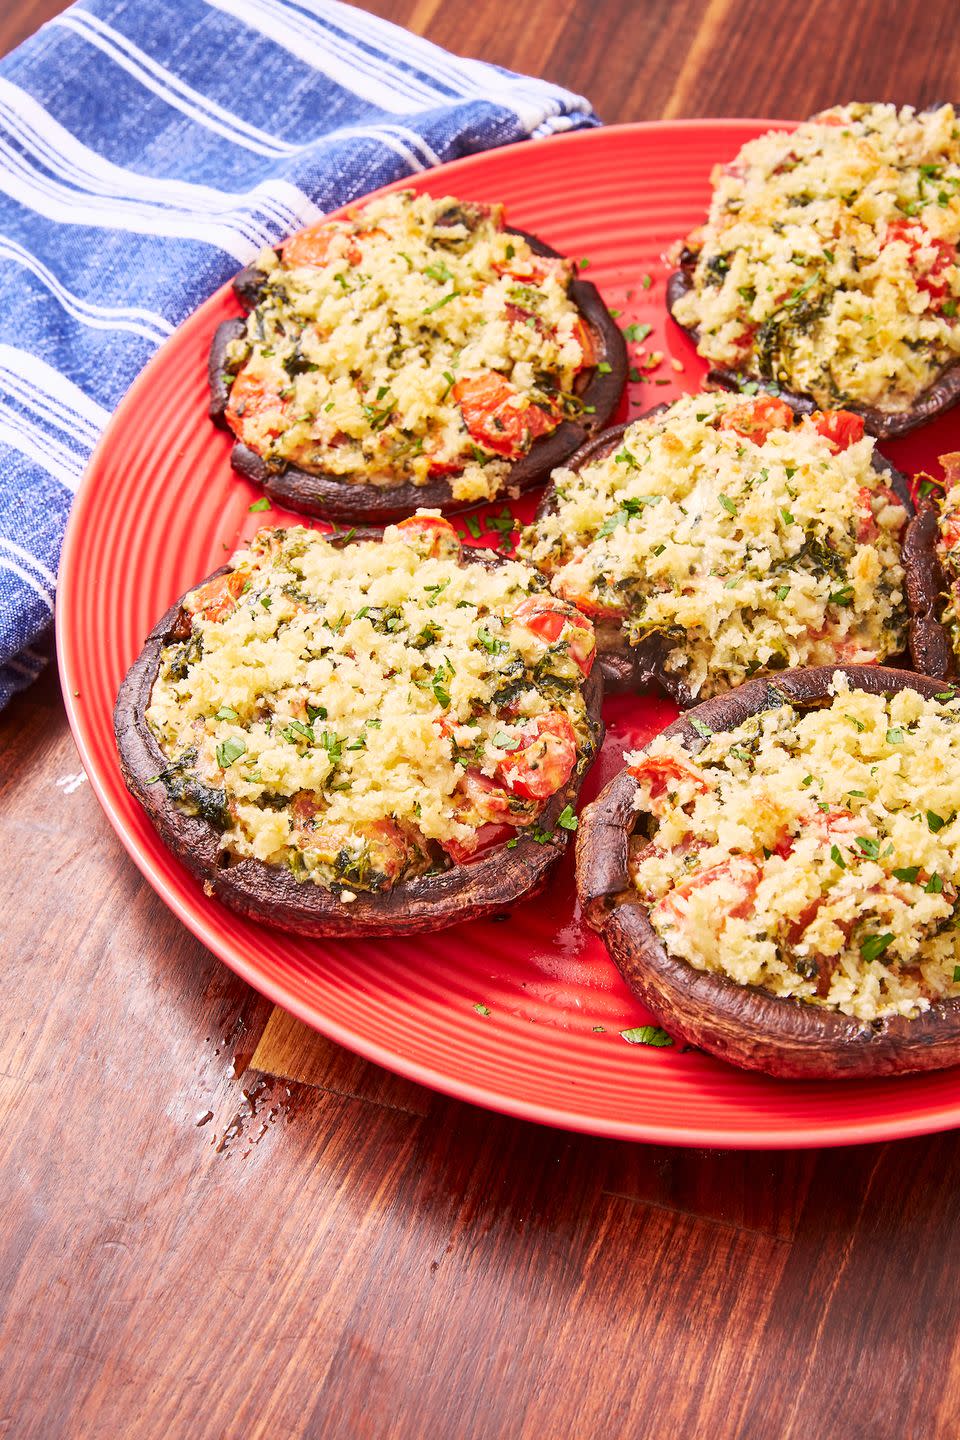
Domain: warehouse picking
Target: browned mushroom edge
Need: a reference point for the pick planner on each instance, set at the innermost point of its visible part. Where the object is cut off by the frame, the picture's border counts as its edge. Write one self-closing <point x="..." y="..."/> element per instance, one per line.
<point x="930" y="647"/>
<point x="272" y="895"/>
<point x="342" y="498"/>
<point x="940" y="396"/>
<point x="744" y="1023"/>
<point x="631" y="668"/>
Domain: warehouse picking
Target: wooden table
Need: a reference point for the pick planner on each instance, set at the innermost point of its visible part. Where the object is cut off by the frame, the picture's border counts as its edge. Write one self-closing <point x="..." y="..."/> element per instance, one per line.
<point x="214" y="1224"/>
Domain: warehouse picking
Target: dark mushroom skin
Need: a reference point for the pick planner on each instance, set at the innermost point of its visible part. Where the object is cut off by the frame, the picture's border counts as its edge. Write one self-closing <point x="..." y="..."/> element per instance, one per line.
<point x="930" y="648"/>
<point x="940" y="396"/>
<point x="267" y="893"/>
<point x="745" y="1024"/>
<point x="637" y="668"/>
<point x="343" y="499"/>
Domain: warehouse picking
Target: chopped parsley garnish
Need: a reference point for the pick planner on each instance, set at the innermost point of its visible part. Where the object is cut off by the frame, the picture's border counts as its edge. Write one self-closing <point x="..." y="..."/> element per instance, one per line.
<point x="567" y="820"/>
<point x="226" y="712"/>
<point x="786" y="517"/>
<point x="837" y="858"/>
<point x="262" y="504"/>
<point x="437" y="304"/>
<point x="895" y="735"/>
<point x="934" y="885"/>
<point x="783" y="591"/>
<point x="701" y="728"/>
<point x="296" y="730"/>
<point x="630" y="507"/>
<point x="636" y="332"/>
<point x="646" y="1035"/>
<point x="843" y="596"/>
<point x="603" y="367"/>
<point x="908" y="874"/>
<point x="727" y="504"/>
<point x="229" y="751"/>
<point x="873" y="946"/>
<point x="935" y="821"/>
<point x="870" y="848"/>
<point x="333" y="744"/>
<point x="481" y="1009"/>
<point x="490" y="642"/>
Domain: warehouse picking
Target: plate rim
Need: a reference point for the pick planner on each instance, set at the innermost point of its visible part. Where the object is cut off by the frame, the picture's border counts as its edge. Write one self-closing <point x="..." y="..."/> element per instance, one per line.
<point x="843" y="1133"/>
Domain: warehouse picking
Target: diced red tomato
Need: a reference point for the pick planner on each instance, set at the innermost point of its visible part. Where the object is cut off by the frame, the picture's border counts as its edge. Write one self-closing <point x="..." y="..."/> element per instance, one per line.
<point x="249" y="399"/>
<point x="867" y="527"/>
<point x="932" y="278"/>
<point x="540" y="267"/>
<point x="391" y="849"/>
<point x="483" y="799"/>
<point x="585" y="341"/>
<point x="587" y="605"/>
<point x="867" y="497"/>
<point x="545" y="758"/>
<point x="550" y="619"/>
<point x="518" y="316"/>
<point x="742" y="874"/>
<point x="950" y="529"/>
<point x="756" y="418"/>
<point x="661" y="773"/>
<point x="951" y="467"/>
<point x="431" y="536"/>
<point x="313" y="246"/>
<point x="841" y="427"/>
<point x="497" y="416"/>
<point x="484" y="839"/>
<point x="218" y="597"/>
<point x="746" y="338"/>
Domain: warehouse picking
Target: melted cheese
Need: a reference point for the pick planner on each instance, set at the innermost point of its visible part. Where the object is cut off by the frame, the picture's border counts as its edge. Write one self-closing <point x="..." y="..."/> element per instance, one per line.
<point x="815" y="854"/>
<point x="828" y="262"/>
<point x="366" y="680"/>
<point x="747" y="556"/>
<point x="350" y="366"/>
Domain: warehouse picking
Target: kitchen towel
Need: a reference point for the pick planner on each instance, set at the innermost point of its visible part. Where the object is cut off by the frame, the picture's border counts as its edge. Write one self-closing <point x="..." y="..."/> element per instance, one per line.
<point x="149" y="150"/>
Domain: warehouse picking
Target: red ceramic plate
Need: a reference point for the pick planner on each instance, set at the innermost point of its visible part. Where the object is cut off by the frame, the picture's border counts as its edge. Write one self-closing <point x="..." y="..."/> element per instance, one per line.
<point x="523" y="1016"/>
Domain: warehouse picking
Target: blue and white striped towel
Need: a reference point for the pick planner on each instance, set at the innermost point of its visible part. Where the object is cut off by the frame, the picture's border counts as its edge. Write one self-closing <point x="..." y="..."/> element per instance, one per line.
<point x="147" y="151"/>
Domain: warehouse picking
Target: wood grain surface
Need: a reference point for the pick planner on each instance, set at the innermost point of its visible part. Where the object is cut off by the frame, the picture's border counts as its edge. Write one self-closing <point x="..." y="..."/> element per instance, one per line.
<point x="214" y="1224"/>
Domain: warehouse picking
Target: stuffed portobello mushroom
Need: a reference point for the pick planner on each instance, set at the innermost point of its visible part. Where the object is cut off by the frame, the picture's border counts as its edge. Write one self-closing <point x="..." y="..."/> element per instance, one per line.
<point x="373" y="737"/>
<point x="933" y="542"/>
<point x="828" y="265"/>
<point x="776" y="874"/>
<point x="415" y="353"/>
<point x="721" y="537"/>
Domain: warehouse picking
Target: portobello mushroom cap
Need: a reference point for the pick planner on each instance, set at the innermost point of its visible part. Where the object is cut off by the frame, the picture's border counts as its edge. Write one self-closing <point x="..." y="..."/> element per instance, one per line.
<point x="271" y="894"/>
<point x="884" y="425"/>
<point x="342" y="498"/>
<point x="629" y="668"/>
<point x="746" y="1024"/>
